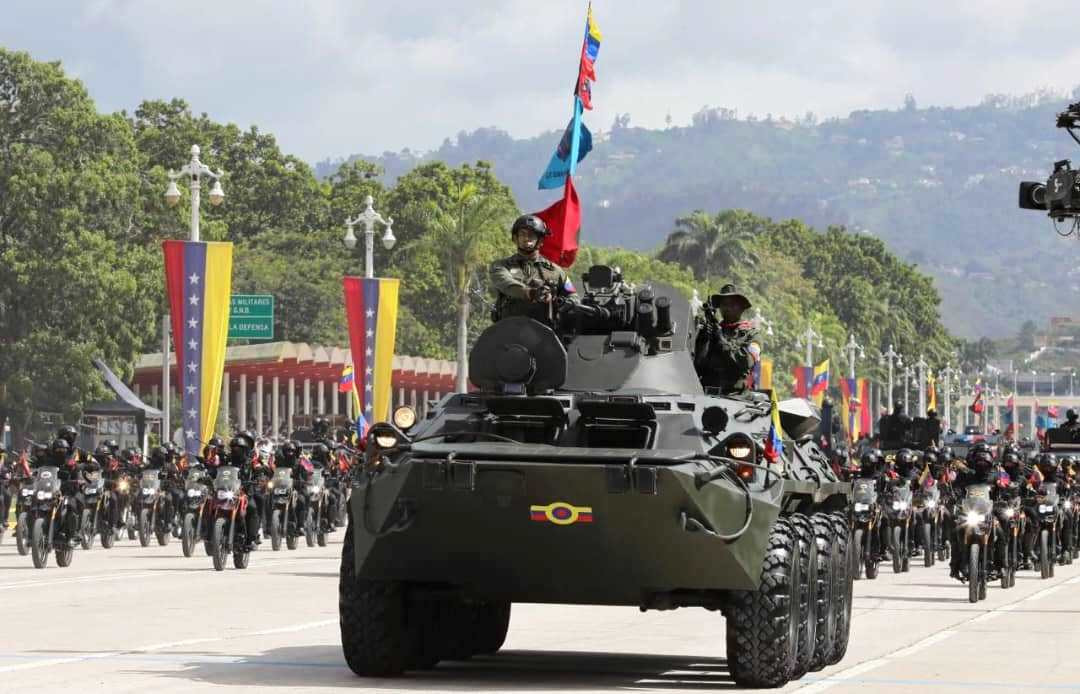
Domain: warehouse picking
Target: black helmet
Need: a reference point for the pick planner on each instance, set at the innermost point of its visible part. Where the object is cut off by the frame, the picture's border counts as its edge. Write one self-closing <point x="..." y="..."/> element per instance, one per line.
<point x="68" y="433"/>
<point x="112" y="445"/>
<point x="1070" y="415"/>
<point x="905" y="461"/>
<point x="871" y="462"/>
<point x="102" y="453"/>
<point x="1011" y="460"/>
<point x="60" y="447"/>
<point x="321" y="426"/>
<point x="290" y="450"/>
<point x="158" y="454"/>
<point x="128" y="454"/>
<point x="320" y="452"/>
<point x="981" y="452"/>
<point x="530" y="222"/>
<point x="216" y="442"/>
<point x="1047" y="463"/>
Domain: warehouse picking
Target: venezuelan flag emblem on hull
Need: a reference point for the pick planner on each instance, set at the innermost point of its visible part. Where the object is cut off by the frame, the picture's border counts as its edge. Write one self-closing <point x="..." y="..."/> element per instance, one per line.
<point x="561" y="513"/>
<point x="198" y="278"/>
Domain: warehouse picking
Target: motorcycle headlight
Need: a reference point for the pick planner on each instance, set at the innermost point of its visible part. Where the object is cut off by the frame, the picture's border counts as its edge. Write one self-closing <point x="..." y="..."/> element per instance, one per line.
<point x="1046" y="508"/>
<point x="147" y="492"/>
<point x="44" y="495"/>
<point x="899" y="505"/>
<point x="281" y="490"/>
<point x="931" y="503"/>
<point x="1009" y="513"/>
<point x="91" y="490"/>
<point x="225" y="494"/>
<point x="973" y="518"/>
<point x="1067" y="505"/>
<point x="862" y="507"/>
<point x="27" y="492"/>
<point x="312" y="489"/>
<point x="123" y="486"/>
<point x="194" y="492"/>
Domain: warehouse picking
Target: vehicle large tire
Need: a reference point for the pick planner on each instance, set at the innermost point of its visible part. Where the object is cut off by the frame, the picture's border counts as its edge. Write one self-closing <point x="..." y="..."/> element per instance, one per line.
<point x="375" y="637"/>
<point x="144" y="527"/>
<point x="39" y="544"/>
<point x="857" y="558"/>
<point x="897" y="549"/>
<point x="219" y="549"/>
<point x="763" y="624"/>
<point x="492" y="624"/>
<point x="828" y="590"/>
<point x="86" y="531"/>
<point x="974" y="571"/>
<point x="276" y="530"/>
<point x="844" y="550"/>
<point x="22" y="534"/>
<point x="928" y="545"/>
<point x="808" y="595"/>
<point x="187" y="534"/>
<point x="1044" y="554"/>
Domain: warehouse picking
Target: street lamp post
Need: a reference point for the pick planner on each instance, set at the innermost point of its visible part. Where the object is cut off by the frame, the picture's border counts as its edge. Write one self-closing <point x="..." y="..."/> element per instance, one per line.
<point x="809" y="337"/>
<point x="1034" y="402"/>
<point x="888" y="356"/>
<point x="921" y="365"/>
<point x="194" y="170"/>
<point x="947" y="372"/>
<point x="1053" y="374"/>
<point x="850" y="349"/>
<point x="908" y="373"/>
<point x="368" y="218"/>
<point x="759" y="321"/>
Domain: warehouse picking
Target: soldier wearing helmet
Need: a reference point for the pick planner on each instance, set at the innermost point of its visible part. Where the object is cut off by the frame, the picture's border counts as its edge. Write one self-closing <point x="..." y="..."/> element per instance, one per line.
<point x="526" y="283"/>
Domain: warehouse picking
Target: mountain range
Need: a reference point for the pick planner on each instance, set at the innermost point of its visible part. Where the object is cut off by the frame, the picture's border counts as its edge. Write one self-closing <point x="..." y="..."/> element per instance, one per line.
<point x="938" y="185"/>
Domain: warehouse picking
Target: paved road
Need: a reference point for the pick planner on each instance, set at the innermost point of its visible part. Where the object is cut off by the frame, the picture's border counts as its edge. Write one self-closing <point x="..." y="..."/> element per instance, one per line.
<point x="133" y="619"/>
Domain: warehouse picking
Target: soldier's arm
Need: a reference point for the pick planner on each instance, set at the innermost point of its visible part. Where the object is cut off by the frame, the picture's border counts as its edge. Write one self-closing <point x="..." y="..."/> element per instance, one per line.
<point x="504" y="283"/>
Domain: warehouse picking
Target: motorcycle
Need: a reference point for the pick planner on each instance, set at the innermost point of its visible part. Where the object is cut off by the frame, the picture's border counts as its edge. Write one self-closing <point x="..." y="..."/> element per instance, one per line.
<point x="23" y="502"/>
<point x="196" y="498"/>
<point x="315" y="518"/>
<point x="928" y="515"/>
<point x="146" y="504"/>
<point x="92" y="515"/>
<point x="1045" y="507"/>
<point x="975" y="534"/>
<point x="283" y="512"/>
<point x="48" y="518"/>
<point x="867" y="538"/>
<point x="229" y="532"/>
<point x="898" y="526"/>
<point x="1068" y="525"/>
<point x="1012" y="523"/>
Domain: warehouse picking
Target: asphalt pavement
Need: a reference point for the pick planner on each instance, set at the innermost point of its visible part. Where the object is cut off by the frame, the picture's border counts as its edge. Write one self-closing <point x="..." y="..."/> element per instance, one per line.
<point x="133" y="619"/>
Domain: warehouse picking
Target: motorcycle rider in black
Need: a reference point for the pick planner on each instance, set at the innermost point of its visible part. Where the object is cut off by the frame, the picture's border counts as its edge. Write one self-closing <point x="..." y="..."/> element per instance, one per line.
<point x="241" y="456"/>
<point x="214" y="455"/>
<point x="978" y="469"/>
<point x="288" y="457"/>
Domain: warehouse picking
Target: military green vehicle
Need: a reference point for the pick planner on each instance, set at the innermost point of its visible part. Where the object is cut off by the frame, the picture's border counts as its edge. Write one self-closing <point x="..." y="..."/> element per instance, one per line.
<point x="590" y="467"/>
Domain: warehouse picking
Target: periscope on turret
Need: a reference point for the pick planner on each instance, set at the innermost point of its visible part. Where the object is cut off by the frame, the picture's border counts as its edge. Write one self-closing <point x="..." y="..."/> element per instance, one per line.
<point x="590" y="466"/>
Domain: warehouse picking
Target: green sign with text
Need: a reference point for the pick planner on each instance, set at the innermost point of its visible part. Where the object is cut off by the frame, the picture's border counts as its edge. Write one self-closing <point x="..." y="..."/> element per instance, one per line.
<point x="251" y="317"/>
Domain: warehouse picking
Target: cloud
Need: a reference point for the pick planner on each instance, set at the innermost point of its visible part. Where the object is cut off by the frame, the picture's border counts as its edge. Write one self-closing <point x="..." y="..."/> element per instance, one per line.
<point x="335" y="77"/>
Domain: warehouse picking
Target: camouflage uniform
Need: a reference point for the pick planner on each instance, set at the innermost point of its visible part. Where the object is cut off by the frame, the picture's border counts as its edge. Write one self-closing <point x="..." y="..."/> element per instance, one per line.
<point x="512" y="277"/>
<point x="722" y="356"/>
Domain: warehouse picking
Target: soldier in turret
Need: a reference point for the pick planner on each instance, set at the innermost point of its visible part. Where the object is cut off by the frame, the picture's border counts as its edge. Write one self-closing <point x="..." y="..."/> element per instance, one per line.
<point x="528" y="284"/>
<point x="722" y="353"/>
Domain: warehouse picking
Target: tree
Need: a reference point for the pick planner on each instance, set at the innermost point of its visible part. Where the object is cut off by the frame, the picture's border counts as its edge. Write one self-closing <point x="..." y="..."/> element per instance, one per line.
<point x="465" y="234"/>
<point x="74" y="285"/>
<point x="710" y="245"/>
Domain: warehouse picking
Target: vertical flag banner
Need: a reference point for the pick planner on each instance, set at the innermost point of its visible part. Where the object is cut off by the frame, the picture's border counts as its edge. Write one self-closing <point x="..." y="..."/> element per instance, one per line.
<point x="198" y="279"/>
<point x="371" y="306"/>
<point x="563" y="217"/>
<point x="849" y="406"/>
<point x="803" y="375"/>
<point x="866" y="421"/>
<point x="820" y="384"/>
<point x="774" y="443"/>
<point x="766" y="374"/>
<point x="931" y="393"/>
<point x="1007" y="419"/>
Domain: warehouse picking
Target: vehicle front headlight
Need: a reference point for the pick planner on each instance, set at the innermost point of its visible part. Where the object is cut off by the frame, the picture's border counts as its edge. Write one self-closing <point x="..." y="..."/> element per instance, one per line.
<point x="1046" y="508"/>
<point x="740" y="450"/>
<point x="1009" y="513"/>
<point x="973" y="518"/>
<point x="27" y="492"/>
<point x="225" y="494"/>
<point x="931" y="503"/>
<point x="404" y="418"/>
<point x="281" y="490"/>
<point x="194" y="492"/>
<point x="147" y="492"/>
<point x="899" y="505"/>
<point x="44" y="495"/>
<point x="123" y="486"/>
<point x="862" y="507"/>
<point x="385" y="440"/>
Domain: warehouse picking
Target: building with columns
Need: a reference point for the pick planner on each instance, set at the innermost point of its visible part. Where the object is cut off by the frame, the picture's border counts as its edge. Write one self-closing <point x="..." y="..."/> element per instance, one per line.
<point x="279" y="386"/>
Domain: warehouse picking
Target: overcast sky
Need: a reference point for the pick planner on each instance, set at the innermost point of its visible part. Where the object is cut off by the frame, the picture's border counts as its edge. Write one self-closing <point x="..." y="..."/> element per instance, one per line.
<point x="336" y="77"/>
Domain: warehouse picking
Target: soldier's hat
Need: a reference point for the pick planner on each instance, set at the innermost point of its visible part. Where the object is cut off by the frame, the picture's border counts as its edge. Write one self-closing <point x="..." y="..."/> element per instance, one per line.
<point x="729" y="290"/>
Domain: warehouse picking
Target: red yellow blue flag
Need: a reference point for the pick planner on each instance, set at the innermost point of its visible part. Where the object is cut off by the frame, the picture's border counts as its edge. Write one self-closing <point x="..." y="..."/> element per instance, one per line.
<point x="371" y="306"/>
<point x="820" y="383"/>
<point x="774" y="443"/>
<point x="198" y="278"/>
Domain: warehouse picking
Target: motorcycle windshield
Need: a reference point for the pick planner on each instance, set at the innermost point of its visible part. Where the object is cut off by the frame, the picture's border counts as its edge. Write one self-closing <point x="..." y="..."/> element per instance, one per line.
<point x="1051" y="492"/>
<point x="282" y="478"/>
<point x="977" y="499"/>
<point x="228" y="478"/>
<point x="902" y="494"/>
<point x="47" y="479"/>
<point x="864" y="491"/>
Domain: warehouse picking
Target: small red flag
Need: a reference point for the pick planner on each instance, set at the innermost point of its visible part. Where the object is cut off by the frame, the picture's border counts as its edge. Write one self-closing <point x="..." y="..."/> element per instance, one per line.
<point x="563" y="219"/>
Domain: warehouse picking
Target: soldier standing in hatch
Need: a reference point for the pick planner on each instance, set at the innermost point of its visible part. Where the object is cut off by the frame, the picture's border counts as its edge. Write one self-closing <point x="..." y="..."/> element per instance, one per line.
<point x="722" y="354"/>
<point x="528" y="284"/>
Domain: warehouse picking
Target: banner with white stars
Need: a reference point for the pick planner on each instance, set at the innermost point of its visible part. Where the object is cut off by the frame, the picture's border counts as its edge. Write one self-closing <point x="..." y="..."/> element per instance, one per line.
<point x="371" y="307"/>
<point x="198" y="278"/>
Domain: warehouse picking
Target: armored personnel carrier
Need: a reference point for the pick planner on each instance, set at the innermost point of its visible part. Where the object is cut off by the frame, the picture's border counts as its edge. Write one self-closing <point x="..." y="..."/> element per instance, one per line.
<point x="590" y="467"/>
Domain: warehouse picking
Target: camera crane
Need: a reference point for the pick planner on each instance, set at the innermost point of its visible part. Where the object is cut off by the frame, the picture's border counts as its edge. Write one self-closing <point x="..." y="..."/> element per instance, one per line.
<point x="1060" y="195"/>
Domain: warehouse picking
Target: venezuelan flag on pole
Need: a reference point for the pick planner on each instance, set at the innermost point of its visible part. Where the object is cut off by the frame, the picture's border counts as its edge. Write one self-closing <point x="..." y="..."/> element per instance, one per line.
<point x="820" y="383"/>
<point x="198" y="278"/>
<point x="371" y="307"/>
<point x="774" y="443"/>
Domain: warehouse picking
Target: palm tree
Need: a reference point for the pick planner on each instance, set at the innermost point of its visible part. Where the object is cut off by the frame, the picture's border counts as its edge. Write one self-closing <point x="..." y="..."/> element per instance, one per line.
<point x="464" y="236"/>
<point x="709" y="245"/>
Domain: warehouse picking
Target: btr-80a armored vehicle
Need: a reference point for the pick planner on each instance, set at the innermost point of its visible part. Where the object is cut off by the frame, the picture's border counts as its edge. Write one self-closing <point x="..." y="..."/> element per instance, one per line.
<point x="591" y="467"/>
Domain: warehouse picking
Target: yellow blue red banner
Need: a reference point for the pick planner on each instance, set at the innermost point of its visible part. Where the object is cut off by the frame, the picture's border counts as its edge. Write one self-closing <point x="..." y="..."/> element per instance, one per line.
<point x="371" y="307"/>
